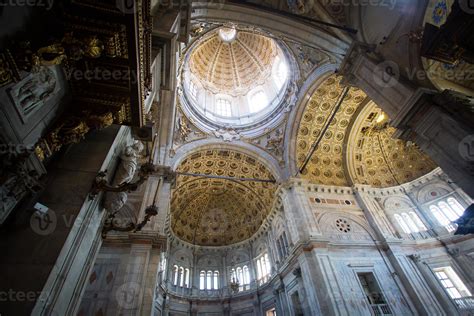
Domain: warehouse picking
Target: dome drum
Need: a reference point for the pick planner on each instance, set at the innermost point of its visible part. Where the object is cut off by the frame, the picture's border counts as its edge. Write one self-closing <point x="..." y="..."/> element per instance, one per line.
<point x="242" y="83"/>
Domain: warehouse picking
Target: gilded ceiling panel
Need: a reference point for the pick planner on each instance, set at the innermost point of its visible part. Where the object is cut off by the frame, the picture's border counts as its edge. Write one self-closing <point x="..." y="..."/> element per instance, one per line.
<point x="236" y="66"/>
<point x="216" y="212"/>
<point x="326" y="163"/>
<point x="376" y="158"/>
<point x="373" y="156"/>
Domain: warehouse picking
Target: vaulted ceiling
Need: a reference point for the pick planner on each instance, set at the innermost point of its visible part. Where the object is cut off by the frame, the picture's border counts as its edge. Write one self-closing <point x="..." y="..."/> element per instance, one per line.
<point x="233" y="67"/>
<point x="357" y="146"/>
<point x="215" y="212"/>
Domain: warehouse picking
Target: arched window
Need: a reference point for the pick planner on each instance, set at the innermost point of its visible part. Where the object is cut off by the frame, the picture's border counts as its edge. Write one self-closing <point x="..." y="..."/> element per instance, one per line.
<point x="246" y="279"/>
<point x="202" y="280"/>
<point x="240" y="275"/>
<point x="263" y="268"/>
<point x="193" y="89"/>
<point x="258" y="101"/>
<point x="402" y="224"/>
<point x="186" y="277"/>
<point x="216" y="280"/>
<point x="418" y="221"/>
<point x="280" y="72"/>
<point x="447" y="211"/>
<point x="441" y="218"/>
<point x="411" y="224"/>
<point x="209" y="280"/>
<point x="458" y="209"/>
<point x="259" y="270"/>
<point x="175" y="274"/>
<point x="267" y="263"/>
<point x="181" y="276"/>
<point x="223" y="107"/>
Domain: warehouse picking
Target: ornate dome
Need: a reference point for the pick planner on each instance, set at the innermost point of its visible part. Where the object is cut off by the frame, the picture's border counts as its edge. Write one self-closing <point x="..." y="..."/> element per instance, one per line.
<point x="232" y="62"/>
<point x="234" y="77"/>
<point x="217" y="212"/>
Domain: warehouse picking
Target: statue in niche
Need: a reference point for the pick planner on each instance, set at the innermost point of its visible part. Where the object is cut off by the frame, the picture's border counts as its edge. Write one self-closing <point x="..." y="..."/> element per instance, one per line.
<point x="30" y="93"/>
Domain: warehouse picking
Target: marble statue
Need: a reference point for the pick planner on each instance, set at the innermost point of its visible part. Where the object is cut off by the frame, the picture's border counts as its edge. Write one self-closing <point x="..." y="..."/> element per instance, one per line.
<point x="125" y="174"/>
<point x="129" y="163"/>
<point x="34" y="90"/>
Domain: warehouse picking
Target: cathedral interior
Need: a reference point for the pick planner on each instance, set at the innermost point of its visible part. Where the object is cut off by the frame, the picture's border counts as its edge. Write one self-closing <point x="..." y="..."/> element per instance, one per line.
<point x="236" y="158"/>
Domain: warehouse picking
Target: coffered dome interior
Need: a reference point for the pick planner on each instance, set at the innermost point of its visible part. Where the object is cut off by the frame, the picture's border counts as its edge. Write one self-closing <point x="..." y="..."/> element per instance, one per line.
<point x="234" y="77"/>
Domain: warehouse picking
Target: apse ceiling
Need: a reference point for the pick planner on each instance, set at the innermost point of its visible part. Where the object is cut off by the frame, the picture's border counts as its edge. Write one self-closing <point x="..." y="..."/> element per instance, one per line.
<point x="360" y="141"/>
<point x="217" y="212"/>
<point x="235" y="65"/>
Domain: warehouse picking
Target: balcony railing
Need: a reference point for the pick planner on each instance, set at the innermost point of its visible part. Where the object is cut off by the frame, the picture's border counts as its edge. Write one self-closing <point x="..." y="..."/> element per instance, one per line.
<point x="465" y="303"/>
<point x="381" y="309"/>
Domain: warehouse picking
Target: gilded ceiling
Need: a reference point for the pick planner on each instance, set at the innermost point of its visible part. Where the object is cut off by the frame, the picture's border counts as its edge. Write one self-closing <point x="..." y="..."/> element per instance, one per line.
<point x="233" y="67"/>
<point x="372" y="155"/>
<point x="216" y="212"/>
<point x="376" y="158"/>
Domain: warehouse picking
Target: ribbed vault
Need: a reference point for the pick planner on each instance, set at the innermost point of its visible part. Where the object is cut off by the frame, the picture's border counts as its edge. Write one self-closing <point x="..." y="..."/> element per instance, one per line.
<point x="216" y="212"/>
